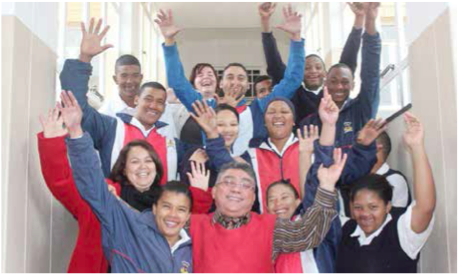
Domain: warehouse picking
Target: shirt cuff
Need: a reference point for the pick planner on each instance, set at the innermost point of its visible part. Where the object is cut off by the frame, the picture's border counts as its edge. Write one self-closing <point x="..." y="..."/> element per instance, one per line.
<point x="326" y="198"/>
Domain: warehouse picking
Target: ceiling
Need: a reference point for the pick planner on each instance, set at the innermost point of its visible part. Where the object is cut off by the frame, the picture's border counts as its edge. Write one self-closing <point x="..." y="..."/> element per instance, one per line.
<point x="220" y="15"/>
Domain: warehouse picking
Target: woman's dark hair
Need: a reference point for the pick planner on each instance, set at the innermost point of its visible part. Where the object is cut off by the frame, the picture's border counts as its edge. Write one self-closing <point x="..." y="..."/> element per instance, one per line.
<point x="285" y="183"/>
<point x="198" y="68"/>
<point x="373" y="182"/>
<point x="175" y="187"/>
<point x="222" y="107"/>
<point x="118" y="171"/>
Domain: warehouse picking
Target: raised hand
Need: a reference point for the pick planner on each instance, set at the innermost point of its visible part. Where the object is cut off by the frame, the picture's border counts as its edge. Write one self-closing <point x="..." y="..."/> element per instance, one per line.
<point x="199" y="178"/>
<point x="71" y="114"/>
<point x="292" y="23"/>
<point x="371" y="131"/>
<point x="206" y="118"/>
<point x="371" y="9"/>
<point x="328" y="110"/>
<point x="53" y="125"/>
<point x="358" y="8"/>
<point x="232" y="97"/>
<point x="307" y="139"/>
<point x="266" y="10"/>
<point x="414" y="134"/>
<point x="91" y="40"/>
<point x="167" y="26"/>
<point x="328" y="177"/>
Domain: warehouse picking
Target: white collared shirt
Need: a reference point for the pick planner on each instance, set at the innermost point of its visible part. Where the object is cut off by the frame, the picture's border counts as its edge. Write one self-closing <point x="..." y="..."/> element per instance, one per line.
<point x="138" y="124"/>
<point x="316" y="91"/>
<point x="399" y="184"/>
<point x="410" y="241"/>
<point x="183" y="238"/>
<point x="291" y="139"/>
<point x="115" y="105"/>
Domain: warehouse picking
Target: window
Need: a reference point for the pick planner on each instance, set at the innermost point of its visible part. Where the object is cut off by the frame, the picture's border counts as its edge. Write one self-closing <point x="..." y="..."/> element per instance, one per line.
<point x="71" y="14"/>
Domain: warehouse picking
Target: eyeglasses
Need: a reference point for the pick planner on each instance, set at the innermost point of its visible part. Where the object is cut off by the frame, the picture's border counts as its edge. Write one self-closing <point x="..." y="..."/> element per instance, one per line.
<point x="227" y="182"/>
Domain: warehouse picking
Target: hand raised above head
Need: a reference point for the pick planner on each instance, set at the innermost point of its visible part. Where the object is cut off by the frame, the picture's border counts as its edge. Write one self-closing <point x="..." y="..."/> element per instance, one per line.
<point x="53" y="125"/>
<point x="206" y="117"/>
<point x="91" y="40"/>
<point x="71" y="113"/>
<point x="165" y="22"/>
<point x="357" y="8"/>
<point x="414" y="134"/>
<point x="292" y="23"/>
<point x="328" y="110"/>
<point x="266" y="10"/>
<point x="307" y="139"/>
<point x="371" y="131"/>
<point x="199" y="177"/>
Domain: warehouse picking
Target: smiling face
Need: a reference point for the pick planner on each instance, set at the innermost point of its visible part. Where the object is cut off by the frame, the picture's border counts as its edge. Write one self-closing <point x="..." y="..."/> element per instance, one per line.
<point x="279" y="120"/>
<point x="263" y="88"/>
<point x="234" y="193"/>
<point x="150" y="106"/>
<point x="171" y="212"/>
<point x="128" y="79"/>
<point x="369" y="210"/>
<point x="205" y="82"/>
<point x="227" y="126"/>
<point x="282" y="201"/>
<point x="339" y="83"/>
<point x="140" y="168"/>
<point x="235" y="79"/>
<point x="314" y="73"/>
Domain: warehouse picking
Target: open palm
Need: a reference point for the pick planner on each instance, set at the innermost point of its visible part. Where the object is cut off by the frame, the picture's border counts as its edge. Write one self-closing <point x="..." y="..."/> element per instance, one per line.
<point x="91" y="40"/>
<point x="292" y="21"/>
<point x="53" y="125"/>
<point x="166" y="24"/>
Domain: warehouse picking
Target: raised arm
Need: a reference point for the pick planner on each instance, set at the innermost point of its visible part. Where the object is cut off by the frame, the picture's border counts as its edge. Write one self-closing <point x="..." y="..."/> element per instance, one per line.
<point x="306" y="149"/>
<point x="86" y="167"/>
<point x="199" y="186"/>
<point x="350" y="51"/>
<point x="75" y="77"/>
<point x="329" y="114"/>
<point x="308" y="232"/>
<point x="369" y="95"/>
<point x="174" y="69"/>
<point x="54" y="163"/>
<point x="275" y="64"/>
<point x="205" y="116"/>
<point x="424" y="188"/>
<point x="293" y="74"/>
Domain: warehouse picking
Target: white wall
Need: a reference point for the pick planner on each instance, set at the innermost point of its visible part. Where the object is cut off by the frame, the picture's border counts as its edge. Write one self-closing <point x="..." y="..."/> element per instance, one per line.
<point x="38" y="233"/>
<point x="220" y="47"/>
<point x="41" y="18"/>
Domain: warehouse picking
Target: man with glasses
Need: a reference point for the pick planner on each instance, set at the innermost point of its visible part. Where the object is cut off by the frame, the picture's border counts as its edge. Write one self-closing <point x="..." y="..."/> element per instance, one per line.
<point x="234" y="239"/>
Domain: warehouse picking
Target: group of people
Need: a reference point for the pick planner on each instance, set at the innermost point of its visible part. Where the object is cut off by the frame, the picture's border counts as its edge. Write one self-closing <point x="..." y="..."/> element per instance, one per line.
<point x="200" y="180"/>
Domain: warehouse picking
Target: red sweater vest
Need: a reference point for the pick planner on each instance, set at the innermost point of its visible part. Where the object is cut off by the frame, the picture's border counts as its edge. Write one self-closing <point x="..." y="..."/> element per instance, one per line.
<point x="156" y="140"/>
<point x="272" y="168"/>
<point x="245" y="249"/>
<point x="288" y="263"/>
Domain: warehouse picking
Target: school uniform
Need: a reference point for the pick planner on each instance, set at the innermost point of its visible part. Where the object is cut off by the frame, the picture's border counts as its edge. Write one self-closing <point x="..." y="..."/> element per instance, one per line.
<point x="401" y="190"/>
<point x="393" y="248"/>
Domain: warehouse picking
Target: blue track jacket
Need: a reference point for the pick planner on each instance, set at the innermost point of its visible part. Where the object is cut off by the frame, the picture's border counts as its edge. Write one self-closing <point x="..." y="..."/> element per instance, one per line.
<point x="130" y="239"/>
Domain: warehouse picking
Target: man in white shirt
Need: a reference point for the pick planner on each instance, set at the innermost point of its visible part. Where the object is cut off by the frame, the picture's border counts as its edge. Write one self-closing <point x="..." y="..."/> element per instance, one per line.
<point x="128" y="78"/>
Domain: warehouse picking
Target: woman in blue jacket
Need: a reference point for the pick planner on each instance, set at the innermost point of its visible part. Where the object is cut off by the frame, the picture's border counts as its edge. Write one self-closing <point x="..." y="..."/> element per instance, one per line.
<point x="149" y="241"/>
